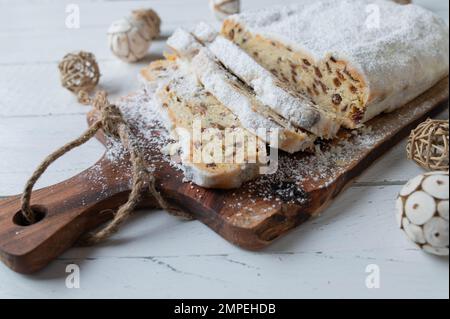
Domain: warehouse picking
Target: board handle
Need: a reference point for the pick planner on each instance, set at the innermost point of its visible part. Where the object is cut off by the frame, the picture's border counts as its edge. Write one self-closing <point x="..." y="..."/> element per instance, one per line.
<point x="64" y="212"/>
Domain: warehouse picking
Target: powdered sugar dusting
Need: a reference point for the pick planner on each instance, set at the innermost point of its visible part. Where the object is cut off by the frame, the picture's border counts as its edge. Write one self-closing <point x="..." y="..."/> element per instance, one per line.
<point x="140" y="112"/>
<point x="300" y="174"/>
<point x="298" y="109"/>
<point x="345" y="28"/>
<point x="296" y="176"/>
<point x="400" y="50"/>
<point x="235" y="95"/>
<point x="220" y="82"/>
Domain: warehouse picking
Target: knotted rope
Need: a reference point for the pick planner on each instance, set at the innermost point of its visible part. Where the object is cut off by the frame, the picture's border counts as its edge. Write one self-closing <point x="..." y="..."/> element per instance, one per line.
<point x="113" y="124"/>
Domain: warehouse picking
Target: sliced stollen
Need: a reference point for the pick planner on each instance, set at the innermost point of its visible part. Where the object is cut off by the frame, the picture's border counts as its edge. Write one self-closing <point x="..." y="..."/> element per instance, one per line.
<point x="295" y="107"/>
<point x="358" y="57"/>
<point x="235" y="95"/>
<point x="183" y="103"/>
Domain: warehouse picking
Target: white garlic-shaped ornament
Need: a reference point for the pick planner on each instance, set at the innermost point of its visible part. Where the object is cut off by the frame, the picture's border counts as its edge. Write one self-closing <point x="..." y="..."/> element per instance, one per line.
<point x="422" y="212"/>
<point x="222" y="9"/>
<point x="130" y="37"/>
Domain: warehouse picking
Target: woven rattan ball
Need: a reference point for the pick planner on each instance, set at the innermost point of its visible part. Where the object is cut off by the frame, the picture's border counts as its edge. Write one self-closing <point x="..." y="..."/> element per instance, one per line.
<point x="428" y="145"/>
<point x="79" y="72"/>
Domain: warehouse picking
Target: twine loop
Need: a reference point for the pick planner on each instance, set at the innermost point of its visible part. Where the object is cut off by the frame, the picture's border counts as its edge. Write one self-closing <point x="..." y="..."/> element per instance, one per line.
<point x="114" y="125"/>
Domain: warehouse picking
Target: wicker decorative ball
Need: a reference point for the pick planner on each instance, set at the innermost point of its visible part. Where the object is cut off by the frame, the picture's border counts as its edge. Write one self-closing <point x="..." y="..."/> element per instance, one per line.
<point x="224" y="8"/>
<point x="428" y="145"/>
<point x="79" y="72"/>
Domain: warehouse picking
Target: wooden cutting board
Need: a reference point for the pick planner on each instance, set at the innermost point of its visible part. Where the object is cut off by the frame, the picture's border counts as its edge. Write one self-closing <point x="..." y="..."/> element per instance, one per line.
<point x="250" y="217"/>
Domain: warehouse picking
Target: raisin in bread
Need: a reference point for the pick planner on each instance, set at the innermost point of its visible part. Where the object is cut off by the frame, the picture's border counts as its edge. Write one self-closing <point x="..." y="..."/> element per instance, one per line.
<point x="182" y="104"/>
<point x="297" y="108"/>
<point x="357" y="57"/>
<point x="236" y="96"/>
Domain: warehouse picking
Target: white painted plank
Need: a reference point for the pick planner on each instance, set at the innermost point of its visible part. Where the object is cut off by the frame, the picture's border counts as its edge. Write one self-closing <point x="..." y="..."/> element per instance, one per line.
<point x="35" y="89"/>
<point x="324" y="258"/>
<point x="25" y="15"/>
<point x="25" y="142"/>
<point x="21" y="11"/>
<point x="37" y="33"/>
<point x="42" y="46"/>
<point x="52" y="14"/>
<point x="273" y="276"/>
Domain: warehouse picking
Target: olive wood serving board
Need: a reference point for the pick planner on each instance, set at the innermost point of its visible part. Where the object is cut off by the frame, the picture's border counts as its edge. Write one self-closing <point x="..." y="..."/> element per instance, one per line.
<point x="250" y="217"/>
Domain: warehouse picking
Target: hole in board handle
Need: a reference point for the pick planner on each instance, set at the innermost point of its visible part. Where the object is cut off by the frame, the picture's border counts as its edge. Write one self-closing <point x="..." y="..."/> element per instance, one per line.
<point x="39" y="211"/>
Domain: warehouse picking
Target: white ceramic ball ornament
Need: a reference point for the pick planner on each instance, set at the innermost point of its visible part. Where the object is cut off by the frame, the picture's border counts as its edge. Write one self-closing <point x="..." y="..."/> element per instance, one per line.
<point x="130" y="37"/>
<point x="422" y="212"/>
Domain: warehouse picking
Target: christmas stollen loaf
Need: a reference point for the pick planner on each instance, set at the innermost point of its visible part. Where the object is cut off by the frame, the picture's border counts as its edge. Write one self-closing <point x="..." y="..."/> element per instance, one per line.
<point x="357" y="57"/>
<point x="236" y="96"/>
<point x="182" y="102"/>
<point x="296" y="108"/>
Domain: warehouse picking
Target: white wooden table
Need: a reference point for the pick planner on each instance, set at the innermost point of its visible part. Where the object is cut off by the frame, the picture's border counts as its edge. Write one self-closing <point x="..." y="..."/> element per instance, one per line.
<point x="156" y="255"/>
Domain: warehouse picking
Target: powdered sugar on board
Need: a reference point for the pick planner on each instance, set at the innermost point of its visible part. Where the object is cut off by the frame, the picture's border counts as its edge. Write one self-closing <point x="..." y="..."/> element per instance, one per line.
<point x="148" y="134"/>
<point x="297" y="175"/>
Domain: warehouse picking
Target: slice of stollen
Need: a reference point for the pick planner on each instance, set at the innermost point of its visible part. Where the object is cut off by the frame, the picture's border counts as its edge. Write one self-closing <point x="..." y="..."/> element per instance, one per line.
<point x="184" y="106"/>
<point x="297" y="108"/>
<point x="239" y="98"/>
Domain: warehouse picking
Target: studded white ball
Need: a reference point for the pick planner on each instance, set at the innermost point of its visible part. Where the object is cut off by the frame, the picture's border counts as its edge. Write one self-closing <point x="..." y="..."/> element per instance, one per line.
<point x="422" y="212"/>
